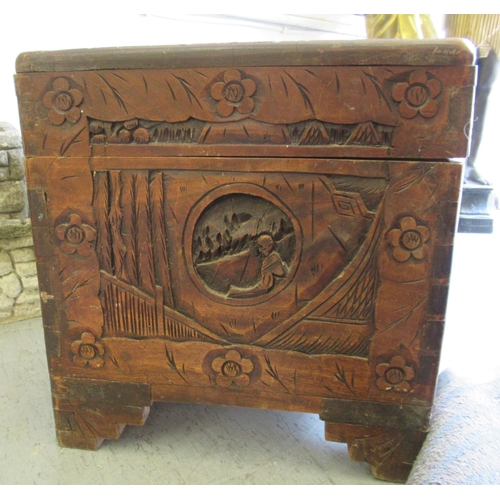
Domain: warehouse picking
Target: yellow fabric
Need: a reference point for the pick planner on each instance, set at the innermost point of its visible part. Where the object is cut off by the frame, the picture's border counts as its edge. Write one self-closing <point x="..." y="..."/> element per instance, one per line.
<point x="399" y="26"/>
<point x="482" y="29"/>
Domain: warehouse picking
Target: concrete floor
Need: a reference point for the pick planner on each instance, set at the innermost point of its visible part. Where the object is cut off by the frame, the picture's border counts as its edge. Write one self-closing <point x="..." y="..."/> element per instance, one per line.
<point x="195" y="444"/>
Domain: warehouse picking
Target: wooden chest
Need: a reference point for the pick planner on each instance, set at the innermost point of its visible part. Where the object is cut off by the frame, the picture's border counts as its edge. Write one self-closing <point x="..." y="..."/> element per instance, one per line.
<point x="260" y="225"/>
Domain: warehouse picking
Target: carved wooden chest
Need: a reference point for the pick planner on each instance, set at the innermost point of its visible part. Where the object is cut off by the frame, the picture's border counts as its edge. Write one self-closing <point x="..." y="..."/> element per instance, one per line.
<point x="261" y="225"/>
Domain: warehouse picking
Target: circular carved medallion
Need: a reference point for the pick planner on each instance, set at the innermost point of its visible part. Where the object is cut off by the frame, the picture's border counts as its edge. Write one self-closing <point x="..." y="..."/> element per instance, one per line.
<point x="411" y="239"/>
<point x="417" y="95"/>
<point x="75" y="235"/>
<point x="63" y="101"/>
<point x="87" y="351"/>
<point x="394" y="376"/>
<point x="234" y="92"/>
<point x="231" y="369"/>
<point x="243" y="244"/>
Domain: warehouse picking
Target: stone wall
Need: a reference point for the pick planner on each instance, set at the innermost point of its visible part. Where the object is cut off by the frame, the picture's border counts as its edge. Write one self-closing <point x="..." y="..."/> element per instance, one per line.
<point x="19" y="295"/>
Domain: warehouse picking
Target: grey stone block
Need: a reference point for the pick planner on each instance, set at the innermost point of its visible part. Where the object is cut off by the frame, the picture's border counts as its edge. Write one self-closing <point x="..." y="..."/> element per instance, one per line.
<point x="12" y="197"/>
<point x="10" y="138"/>
<point x="13" y="229"/>
<point x="25" y="311"/>
<point x="23" y="255"/>
<point x="21" y="242"/>
<point x="4" y="159"/>
<point x="10" y="285"/>
<point x="5" y="263"/>
<point x="6" y="304"/>
<point x="16" y="164"/>
<point x="30" y="282"/>
<point x="28" y="297"/>
<point x="26" y="269"/>
<point x="4" y="173"/>
<point x="27" y="305"/>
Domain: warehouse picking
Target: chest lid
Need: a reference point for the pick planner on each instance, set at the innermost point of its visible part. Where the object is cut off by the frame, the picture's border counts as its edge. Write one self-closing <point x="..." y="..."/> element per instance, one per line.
<point x="364" y="99"/>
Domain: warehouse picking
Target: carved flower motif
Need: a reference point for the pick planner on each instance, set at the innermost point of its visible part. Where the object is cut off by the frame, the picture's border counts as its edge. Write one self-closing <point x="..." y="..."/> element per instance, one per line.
<point x="88" y="351"/>
<point x="409" y="240"/>
<point x="76" y="236"/>
<point x="394" y="375"/>
<point x="417" y="95"/>
<point x="63" y="102"/>
<point x="234" y="92"/>
<point x="232" y="368"/>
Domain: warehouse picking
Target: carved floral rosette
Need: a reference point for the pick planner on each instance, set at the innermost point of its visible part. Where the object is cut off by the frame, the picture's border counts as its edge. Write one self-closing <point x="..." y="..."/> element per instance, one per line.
<point x="418" y="95"/>
<point x="88" y="351"/>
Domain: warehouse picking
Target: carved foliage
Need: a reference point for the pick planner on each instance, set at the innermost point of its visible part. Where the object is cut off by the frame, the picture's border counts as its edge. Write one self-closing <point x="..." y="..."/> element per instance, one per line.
<point x="123" y="213"/>
<point x="348" y="107"/>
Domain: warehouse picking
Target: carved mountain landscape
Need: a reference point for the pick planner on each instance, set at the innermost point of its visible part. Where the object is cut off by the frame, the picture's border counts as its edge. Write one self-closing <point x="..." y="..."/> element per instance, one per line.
<point x="228" y="245"/>
<point x="245" y="131"/>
